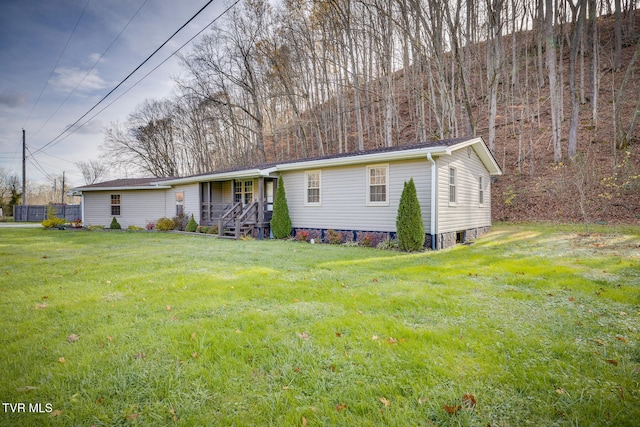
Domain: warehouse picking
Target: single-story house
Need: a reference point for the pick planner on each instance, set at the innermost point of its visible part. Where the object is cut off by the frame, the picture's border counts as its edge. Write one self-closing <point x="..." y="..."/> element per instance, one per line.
<point x="356" y="192"/>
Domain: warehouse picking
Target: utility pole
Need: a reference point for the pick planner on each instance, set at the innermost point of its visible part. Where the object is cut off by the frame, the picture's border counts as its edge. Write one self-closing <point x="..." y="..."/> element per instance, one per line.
<point x="62" y="199"/>
<point x="24" y="168"/>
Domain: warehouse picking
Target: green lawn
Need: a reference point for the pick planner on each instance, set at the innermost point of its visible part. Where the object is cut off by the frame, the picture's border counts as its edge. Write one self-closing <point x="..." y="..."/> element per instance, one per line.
<point x="532" y="324"/>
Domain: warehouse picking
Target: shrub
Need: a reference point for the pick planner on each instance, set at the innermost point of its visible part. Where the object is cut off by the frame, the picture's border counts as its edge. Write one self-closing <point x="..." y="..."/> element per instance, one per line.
<point x="281" y="221"/>
<point x="409" y="220"/>
<point x="302" y="236"/>
<point x="115" y="225"/>
<point x="180" y="222"/>
<point x="387" y="244"/>
<point x="95" y="227"/>
<point x="213" y="230"/>
<point x="150" y="226"/>
<point x="192" y="225"/>
<point x="134" y="228"/>
<point x="333" y="237"/>
<point x="368" y="240"/>
<point x="52" y="220"/>
<point x="202" y="229"/>
<point x="165" y="224"/>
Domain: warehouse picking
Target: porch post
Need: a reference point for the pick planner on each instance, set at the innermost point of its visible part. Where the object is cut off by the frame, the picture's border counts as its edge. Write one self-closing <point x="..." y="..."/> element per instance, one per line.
<point x="260" y="201"/>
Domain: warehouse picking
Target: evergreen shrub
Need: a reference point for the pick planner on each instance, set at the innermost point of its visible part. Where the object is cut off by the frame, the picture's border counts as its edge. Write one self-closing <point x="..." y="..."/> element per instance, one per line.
<point x="409" y="225"/>
<point x="280" y="221"/>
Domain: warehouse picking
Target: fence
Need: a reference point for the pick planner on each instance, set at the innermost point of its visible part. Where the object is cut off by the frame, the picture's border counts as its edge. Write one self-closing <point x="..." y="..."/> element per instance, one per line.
<point x="37" y="213"/>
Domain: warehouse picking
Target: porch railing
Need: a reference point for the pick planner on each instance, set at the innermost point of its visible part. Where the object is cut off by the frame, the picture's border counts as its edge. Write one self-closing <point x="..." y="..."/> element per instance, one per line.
<point x="228" y="218"/>
<point x="248" y="216"/>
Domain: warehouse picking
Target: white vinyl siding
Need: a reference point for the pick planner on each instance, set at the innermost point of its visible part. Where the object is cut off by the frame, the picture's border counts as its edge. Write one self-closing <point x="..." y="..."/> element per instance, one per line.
<point x="344" y="197"/>
<point x="190" y="201"/>
<point x="465" y="213"/>
<point x="137" y="207"/>
<point x="313" y="184"/>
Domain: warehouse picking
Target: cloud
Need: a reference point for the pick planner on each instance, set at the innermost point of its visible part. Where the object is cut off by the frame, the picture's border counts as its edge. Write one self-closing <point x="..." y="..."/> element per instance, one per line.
<point x="93" y="127"/>
<point x="67" y="79"/>
<point x="12" y="100"/>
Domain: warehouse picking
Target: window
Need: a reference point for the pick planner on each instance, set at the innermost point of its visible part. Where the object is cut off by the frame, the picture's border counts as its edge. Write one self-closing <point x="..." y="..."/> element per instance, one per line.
<point x="480" y="191"/>
<point x="312" y="185"/>
<point x="115" y="205"/>
<point x="244" y="192"/>
<point x="179" y="203"/>
<point x="377" y="185"/>
<point x="452" y="185"/>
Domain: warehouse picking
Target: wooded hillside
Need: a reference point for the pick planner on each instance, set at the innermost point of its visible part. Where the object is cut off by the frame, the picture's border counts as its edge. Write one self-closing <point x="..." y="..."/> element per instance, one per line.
<point x="551" y="85"/>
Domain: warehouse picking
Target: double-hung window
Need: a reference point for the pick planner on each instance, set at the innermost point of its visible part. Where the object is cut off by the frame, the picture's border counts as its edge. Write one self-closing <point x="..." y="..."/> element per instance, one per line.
<point x="312" y="181"/>
<point x="115" y="205"/>
<point x="378" y="185"/>
<point x="452" y="186"/>
<point x="480" y="191"/>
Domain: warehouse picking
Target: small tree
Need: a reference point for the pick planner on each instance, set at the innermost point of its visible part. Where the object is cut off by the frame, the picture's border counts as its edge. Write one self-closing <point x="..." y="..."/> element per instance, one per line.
<point x="280" y="221"/>
<point x="409" y="225"/>
<point x="115" y="225"/>
<point x="192" y="226"/>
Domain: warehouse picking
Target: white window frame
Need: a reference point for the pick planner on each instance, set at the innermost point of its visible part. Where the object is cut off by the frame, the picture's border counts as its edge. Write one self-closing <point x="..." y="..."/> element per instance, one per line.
<point x="386" y="184"/>
<point x="179" y="203"/>
<point x="453" y="184"/>
<point x="307" y="175"/>
<point x="114" y="205"/>
<point x="481" y="194"/>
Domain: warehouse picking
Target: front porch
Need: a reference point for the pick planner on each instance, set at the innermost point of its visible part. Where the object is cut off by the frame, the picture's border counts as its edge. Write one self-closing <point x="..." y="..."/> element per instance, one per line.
<point x="238" y="207"/>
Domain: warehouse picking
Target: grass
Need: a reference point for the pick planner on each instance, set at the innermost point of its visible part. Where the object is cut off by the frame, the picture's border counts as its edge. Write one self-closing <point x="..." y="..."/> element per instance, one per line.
<point x="532" y="324"/>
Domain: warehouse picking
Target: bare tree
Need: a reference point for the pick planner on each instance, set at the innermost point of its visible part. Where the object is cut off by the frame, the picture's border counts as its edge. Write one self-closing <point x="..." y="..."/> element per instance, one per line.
<point x="92" y="171"/>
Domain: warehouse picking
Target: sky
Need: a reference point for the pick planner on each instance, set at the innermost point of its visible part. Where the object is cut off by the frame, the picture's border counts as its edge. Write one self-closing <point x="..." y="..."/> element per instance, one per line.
<point x="54" y="69"/>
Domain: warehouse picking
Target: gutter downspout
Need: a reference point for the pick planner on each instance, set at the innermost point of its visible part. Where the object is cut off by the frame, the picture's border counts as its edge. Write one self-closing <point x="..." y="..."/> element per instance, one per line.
<point x="432" y="218"/>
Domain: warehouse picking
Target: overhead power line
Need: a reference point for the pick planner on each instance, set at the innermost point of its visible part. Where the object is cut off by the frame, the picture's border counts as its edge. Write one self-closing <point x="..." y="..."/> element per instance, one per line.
<point x="92" y="68"/>
<point x="71" y="127"/>
<point x="57" y="62"/>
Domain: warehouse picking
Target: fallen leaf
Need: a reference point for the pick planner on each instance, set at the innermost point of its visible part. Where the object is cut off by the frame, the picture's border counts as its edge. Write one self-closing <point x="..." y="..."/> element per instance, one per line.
<point x="598" y="341"/>
<point x="375" y="280"/>
<point x="41" y="306"/>
<point x="392" y="340"/>
<point x="452" y="409"/>
<point x="110" y="338"/>
<point x="571" y="298"/>
<point x="469" y="401"/>
<point x="422" y="400"/>
<point x="175" y="416"/>
<point x="341" y="407"/>
<point x="384" y="401"/>
<point x="55" y="413"/>
<point x="193" y="335"/>
<point x="342" y="284"/>
<point x="296" y="300"/>
<point x="338" y="334"/>
<point x="303" y="336"/>
<point x="613" y="362"/>
<point x="304" y="422"/>
<point x="62" y="360"/>
<point x="100" y="400"/>
<point x="195" y="354"/>
<point x="45" y="256"/>
<point x="174" y="318"/>
<point x="560" y="391"/>
<point x="27" y="388"/>
<point x="375" y="337"/>
<point x="238" y="331"/>
<point x="73" y="338"/>
<point x="621" y="338"/>
<point x="168" y="307"/>
<point x="132" y="416"/>
<point x="623" y="313"/>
